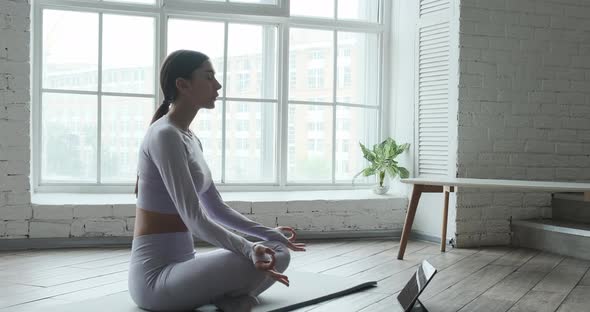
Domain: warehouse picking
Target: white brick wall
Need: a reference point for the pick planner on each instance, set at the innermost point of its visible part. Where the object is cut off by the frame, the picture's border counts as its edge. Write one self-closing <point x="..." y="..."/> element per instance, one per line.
<point x="524" y="107"/>
<point x="118" y="220"/>
<point x="15" y="200"/>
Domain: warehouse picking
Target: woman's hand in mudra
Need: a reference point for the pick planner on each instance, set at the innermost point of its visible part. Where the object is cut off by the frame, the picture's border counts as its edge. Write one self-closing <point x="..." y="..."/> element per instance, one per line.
<point x="264" y="260"/>
<point x="292" y="244"/>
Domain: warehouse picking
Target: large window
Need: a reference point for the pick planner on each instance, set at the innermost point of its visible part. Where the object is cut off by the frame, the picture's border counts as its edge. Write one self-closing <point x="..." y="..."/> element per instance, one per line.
<point x="96" y="94"/>
<point x="301" y="88"/>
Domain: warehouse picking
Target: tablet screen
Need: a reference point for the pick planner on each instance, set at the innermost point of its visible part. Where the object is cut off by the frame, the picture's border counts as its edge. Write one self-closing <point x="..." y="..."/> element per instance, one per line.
<point x="407" y="297"/>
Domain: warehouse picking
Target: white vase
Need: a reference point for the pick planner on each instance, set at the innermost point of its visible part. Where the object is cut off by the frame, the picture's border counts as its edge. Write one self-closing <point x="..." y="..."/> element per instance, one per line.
<point x="380" y="190"/>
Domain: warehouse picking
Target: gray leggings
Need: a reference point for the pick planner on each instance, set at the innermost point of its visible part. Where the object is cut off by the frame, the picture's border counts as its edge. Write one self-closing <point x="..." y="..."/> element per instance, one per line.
<point x="167" y="274"/>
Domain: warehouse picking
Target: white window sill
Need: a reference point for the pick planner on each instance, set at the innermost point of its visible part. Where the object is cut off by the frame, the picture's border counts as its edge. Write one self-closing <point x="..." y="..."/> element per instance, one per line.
<point x="126" y="199"/>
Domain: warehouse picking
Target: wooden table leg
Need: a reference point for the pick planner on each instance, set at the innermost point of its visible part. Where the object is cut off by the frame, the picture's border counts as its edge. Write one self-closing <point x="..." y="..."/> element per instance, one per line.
<point x="443" y="239"/>
<point x="412" y="207"/>
<point x="586" y="196"/>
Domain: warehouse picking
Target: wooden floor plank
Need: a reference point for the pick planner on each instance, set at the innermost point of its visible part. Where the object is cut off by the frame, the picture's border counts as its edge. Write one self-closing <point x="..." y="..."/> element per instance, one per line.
<point x="542" y="262"/>
<point x="352" y="302"/>
<point x="42" y="265"/>
<point x="550" y="292"/>
<point x="371" y="266"/>
<point x="325" y="265"/>
<point x="506" y="293"/>
<point x="40" y="278"/>
<point x="373" y="249"/>
<point x="392" y="266"/>
<point x="458" y="295"/>
<point x="388" y="304"/>
<point x="516" y="257"/>
<point x="359" y="265"/>
<point x="48" y="292"/>
<point x="101" y="263"/>
<point x="72" y="275"/>
<point x="59" y="257"/>
<point x="585" y="280"/>
<point x="565" y="276"/>
<point x="577" y="300"/>
<point x="13" y="289"/>
<point x="326" y="262"/>
<point x="336" y="251"/>
<point x="395" y="282"/>
<point x="95" y="292"/>
<point x="459" y="271"/>
<point x="48" y="304"/>
<point x="314" y="246"/>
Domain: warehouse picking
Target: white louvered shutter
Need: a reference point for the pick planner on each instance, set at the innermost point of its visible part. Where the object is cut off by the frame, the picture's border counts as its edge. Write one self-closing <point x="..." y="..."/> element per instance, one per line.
<point x="432" y="100"/>
<point x="433" y="6"/>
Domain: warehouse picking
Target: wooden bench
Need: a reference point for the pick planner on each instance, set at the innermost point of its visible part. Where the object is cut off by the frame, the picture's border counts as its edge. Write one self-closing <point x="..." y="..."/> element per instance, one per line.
<point x="448" y="185"/>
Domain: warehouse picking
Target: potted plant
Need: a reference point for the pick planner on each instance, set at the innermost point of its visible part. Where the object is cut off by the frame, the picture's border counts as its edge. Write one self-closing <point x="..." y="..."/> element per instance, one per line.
<point x="382" y="162"/>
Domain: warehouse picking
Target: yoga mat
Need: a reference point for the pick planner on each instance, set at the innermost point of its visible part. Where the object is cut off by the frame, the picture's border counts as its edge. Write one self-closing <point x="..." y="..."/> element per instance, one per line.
<point x="305" y="289"/>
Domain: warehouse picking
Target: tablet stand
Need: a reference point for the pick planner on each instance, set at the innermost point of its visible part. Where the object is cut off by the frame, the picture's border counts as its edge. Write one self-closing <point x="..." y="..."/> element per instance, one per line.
<point x="419" y="307"/>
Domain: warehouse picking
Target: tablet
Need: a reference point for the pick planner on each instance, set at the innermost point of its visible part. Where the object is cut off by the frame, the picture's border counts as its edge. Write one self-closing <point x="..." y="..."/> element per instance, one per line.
<point x="409" y="295"/>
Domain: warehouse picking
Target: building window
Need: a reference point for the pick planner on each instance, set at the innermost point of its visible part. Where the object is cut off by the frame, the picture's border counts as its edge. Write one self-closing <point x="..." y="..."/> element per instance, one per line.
<point x="345" y="146"/>
<point x="315" y="78"/>
<point x="242" y="125"/>
<point x="315" y="126"/>
<point x="243" y="81"/>
<point x="243" y="107"/>
<point x="242" y="144"/>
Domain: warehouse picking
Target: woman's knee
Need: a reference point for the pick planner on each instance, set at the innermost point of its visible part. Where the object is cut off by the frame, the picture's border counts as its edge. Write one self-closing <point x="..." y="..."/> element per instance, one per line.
<point x="282" y="255"/>
<point x="283" y="259"/>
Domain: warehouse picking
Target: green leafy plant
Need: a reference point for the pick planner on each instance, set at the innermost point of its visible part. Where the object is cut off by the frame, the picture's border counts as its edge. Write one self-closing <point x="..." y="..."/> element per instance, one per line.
<point x="382" y="159"/>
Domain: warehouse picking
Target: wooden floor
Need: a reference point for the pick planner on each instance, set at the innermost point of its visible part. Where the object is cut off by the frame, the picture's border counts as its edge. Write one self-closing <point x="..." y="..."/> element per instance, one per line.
<point x="487" y="279"/>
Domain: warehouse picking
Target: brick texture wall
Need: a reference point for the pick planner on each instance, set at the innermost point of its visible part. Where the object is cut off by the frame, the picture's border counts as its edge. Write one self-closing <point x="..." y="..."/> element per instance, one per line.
<point x="15" y="103"/>
<point x="524" y="107"/>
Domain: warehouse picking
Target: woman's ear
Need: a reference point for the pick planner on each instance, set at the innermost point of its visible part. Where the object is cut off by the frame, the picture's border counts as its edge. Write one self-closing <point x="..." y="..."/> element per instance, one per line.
<point x="181" y="84"/>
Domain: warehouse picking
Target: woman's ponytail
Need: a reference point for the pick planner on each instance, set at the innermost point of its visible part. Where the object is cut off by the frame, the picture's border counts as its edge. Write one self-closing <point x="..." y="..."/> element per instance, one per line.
<point x="162" y="110"/>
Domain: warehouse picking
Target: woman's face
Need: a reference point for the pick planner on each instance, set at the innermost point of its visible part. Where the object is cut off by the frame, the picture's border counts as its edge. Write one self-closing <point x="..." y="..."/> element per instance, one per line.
<point x="201" y="90"/>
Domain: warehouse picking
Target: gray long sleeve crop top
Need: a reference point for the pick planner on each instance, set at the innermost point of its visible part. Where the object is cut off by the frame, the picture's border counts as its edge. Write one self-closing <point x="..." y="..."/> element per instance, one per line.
<point x="175" y="179"/>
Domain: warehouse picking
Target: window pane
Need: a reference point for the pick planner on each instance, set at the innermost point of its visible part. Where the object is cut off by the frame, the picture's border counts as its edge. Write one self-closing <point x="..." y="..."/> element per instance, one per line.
<point x="312" y="52"/>
<point x="68" y="135"/>
<point x="133" y="1"/>
<point x="128" y="65"/>
<point x="353" y="126"/>
<point x="358" y="70"/>
<point x="124" y="123"/>
<point x="65" y="67"/>
<point x="364" y="10"/>
<point x="310" y="147"/>
<point x="251" y="64"/>
<point x="207" y="127"/>
<point x="205" y="37"/>
<point x="250" y="147"/>
<point x="313" y="8"/>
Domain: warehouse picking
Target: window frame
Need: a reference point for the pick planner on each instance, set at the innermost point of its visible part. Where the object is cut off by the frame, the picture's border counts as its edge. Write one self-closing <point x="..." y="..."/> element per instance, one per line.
<point x="238" y="13"/>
